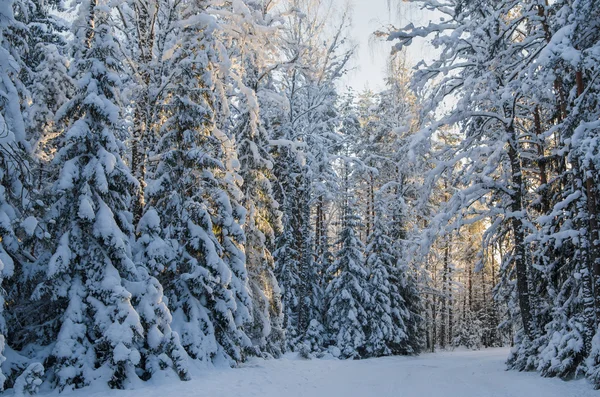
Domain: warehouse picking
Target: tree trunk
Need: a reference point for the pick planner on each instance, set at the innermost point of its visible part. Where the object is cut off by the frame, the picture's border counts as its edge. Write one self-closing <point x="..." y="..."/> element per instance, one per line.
<point x="592" y="215"/>
<point x="444" y="298"/>
<point x="141" y="114"/>
<point x="518" y="230"/>
<point x="545" y="201"/>
<point x="470" y="288"/>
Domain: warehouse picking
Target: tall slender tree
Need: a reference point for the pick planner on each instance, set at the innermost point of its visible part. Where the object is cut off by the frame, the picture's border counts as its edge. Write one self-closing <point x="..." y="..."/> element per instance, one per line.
<point x="348" y="296"/>
<point x="13" y="148"/>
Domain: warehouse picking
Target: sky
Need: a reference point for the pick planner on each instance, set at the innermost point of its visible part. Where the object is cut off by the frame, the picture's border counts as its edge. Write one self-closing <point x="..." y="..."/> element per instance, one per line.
<point x="370" y="61"/>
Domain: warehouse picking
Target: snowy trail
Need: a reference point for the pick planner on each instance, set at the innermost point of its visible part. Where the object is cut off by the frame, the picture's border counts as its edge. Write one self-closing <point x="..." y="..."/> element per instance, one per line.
<point x="448" y="374"/>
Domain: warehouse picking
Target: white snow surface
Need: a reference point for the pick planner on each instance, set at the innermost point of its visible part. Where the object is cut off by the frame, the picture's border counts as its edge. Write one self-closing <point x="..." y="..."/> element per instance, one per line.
<point x="447" y="374"/>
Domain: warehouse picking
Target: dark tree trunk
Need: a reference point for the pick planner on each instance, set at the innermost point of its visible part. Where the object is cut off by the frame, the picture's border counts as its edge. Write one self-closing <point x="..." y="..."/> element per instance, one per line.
<point x="445" y="296"/>
<point x="518" y="230"/>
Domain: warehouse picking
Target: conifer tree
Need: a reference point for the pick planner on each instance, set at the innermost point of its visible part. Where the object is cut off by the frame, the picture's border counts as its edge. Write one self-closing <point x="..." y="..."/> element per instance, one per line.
<point x="195" y="191"/>
<point x="387" y="310"/>
<point x="44" y="72"/>
<point x="101" y="336"/>
<point x="347" y="295"/>
<point x="12" y="155"/>
<point x="153" y="256"/>
<point x="404" y="275"/>
<point x="254" y="53"/>
<point x="295" y="267"/>
<point x="287" y="266"/>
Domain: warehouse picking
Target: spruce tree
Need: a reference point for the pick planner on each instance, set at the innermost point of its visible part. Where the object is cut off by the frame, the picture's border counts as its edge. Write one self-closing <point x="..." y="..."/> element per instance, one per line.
<point x="255" y="55"/>
<point x="388" y="314"/>
<point x="153" y="256"/>
<point x="195" y="191"/>
<point x="262" y="221"/>
<point x="44" y="87"/>
<point x="44" y="72"/>
<point x="12" y="138"/>
<point x="347" y="295"/>
<point x="287" y="269"/>
<point x="91" y="271"/>
<point x="295" y="268"/>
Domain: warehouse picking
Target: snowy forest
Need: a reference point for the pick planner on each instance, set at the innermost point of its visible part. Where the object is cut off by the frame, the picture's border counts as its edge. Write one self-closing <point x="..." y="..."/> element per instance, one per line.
<point x="188" y="183"/>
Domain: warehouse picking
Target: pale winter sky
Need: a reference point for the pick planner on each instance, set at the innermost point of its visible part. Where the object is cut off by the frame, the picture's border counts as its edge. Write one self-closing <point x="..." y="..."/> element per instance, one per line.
<point x="369" y="16"/>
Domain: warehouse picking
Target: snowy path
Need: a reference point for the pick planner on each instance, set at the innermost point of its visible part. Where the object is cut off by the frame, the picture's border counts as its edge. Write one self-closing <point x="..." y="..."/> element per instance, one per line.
<point x="449" y="374"/>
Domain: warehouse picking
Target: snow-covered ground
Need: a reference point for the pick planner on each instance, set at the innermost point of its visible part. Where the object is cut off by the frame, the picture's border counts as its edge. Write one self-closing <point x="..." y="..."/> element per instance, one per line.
<point x="447" y="374"/>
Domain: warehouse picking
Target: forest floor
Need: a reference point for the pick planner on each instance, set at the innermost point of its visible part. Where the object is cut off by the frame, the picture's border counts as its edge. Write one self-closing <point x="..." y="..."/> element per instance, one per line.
<point x="448" y="374"/>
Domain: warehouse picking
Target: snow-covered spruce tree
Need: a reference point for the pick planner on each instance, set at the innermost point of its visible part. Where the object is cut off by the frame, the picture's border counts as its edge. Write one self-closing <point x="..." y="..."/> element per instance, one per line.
<point x="44" y="87"/>
<point x="194" y="191"/>
<point x="390" y="124"/>
<point x="573" y="341"/>
<point x="387" y="312"/>
<point x="266" y="329"/>
<point x="310" y="304"/>
<point x="254" y="57"/>
<point x="404" y="275"/>
<point x="306" y="140"/>
<point x="313" y="341"/>
<point x="13" y="147"/>
<point x="286" y="257"/>
<point x="50" y="88"/>
<point x="348" y="294"/>
<point x="226" y="197"/>
<point x="468" y="331"/>
<point x="295" y="269"/>
<point x="228" y="218"/>
<point x="153" y="256"/>
<point x="101" y="336"/>
<point x="288" y="251"/>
